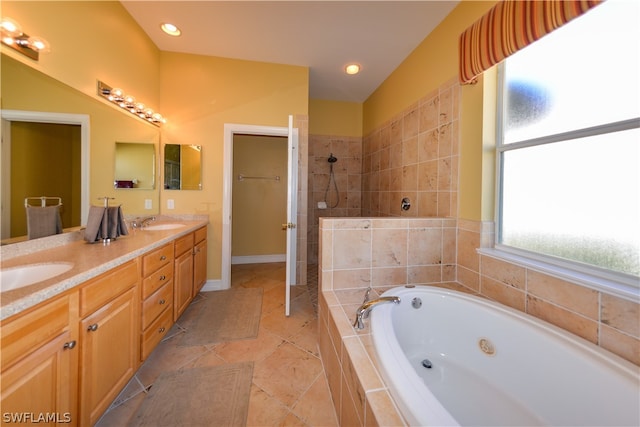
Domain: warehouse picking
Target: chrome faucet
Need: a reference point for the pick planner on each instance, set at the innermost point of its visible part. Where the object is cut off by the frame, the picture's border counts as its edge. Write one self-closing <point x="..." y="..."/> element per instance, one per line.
<point x="364" y="310"/>
<point x="142" y="222"/>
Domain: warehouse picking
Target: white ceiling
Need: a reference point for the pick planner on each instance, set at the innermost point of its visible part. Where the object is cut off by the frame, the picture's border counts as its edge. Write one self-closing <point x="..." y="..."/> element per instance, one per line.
<point x="321" y="35"/>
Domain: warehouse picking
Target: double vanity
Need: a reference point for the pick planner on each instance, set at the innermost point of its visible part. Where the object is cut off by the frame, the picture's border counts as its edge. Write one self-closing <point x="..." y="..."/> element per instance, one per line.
<point x="78" y="319"/>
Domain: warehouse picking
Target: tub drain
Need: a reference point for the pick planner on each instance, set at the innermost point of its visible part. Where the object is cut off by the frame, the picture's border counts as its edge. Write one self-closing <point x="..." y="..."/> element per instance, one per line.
<point x="427" y="364"/>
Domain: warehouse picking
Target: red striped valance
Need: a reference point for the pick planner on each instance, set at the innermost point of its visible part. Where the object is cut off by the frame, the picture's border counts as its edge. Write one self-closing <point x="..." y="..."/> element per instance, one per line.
<point x="511" y="25"/>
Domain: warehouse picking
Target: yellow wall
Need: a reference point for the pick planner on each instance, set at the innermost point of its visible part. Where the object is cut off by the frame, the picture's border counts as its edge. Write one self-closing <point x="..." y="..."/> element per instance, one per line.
<point x="259" y="205"/>
<point x="432" y="63"/>
<point x="90" y="40"/>
<point x="199" y="94"/>
<point x="335" y="118"/>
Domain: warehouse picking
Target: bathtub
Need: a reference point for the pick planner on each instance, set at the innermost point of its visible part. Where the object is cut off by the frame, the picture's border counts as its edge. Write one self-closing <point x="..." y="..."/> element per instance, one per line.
<point x="450" y="358"/>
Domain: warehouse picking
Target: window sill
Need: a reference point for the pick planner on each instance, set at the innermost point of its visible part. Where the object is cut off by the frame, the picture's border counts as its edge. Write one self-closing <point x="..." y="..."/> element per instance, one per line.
<point x="608" y="286"/>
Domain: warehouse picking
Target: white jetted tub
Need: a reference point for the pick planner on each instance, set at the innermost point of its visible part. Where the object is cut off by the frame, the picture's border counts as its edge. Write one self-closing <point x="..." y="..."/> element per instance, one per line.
<point x="450" y="358"/>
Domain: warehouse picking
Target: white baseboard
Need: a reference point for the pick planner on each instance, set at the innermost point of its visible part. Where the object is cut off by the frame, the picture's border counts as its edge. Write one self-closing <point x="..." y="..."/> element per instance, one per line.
<point x="213" y="285"/>
<point x="258" y="259"/>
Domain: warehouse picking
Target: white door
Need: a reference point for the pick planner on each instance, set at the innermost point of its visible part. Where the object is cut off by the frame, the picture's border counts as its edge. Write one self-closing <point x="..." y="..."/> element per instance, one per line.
<point x="292" y="211"/>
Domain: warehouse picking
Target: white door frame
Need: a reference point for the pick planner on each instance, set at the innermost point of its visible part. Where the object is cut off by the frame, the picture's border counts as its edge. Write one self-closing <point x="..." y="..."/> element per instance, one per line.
<point x="81" y="120"/>
<point x="230" y="130"/>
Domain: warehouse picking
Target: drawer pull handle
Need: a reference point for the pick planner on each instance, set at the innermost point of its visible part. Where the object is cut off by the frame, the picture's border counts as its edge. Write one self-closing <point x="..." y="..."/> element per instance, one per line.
<point x="162" y="301"/>
<point x="93" y="328"/>
<point x="163" y="277"/>
<point x="69" y="345"/>
<point x="163" y="257"/>
<point x="161" y="330"/>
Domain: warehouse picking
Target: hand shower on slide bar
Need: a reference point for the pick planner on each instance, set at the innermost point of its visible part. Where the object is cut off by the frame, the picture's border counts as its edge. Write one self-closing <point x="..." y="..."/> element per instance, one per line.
<point x="332" y="159"/>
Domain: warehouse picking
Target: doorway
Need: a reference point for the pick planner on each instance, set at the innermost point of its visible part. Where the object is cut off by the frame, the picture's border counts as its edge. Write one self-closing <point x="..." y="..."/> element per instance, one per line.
<point x="229" y="177"/>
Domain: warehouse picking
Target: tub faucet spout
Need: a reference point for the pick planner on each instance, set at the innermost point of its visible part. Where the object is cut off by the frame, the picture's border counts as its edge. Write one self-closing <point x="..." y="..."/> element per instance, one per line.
<point x="364" y="310"/>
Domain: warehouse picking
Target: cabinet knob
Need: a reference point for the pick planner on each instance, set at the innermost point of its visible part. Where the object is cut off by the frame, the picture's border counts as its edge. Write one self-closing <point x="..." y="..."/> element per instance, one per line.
<point x="93" y="328"/>
<point x="162" y="301"/>
<point x="163" y="277"/>
<point x="161" y="330"/>
<point x="162" y="258"/>
<point x="69" y="345"/>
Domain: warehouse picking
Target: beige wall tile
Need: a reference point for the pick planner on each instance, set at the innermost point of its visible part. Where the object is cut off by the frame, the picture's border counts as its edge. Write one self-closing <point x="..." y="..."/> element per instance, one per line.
<point x="621" y="314"/>
<point x="389" y="276"/>
<point x="350" y="413"/>
<point x="503" y="293"/>
<point x="568" y="320"/>
<point x="507" y="273"/>
<point x="389" y="247"/>
<point x="573" y="297"/>
<point x="351" y="278"/>
<point x="351" y="249"/>
<point x="626" y="346"/>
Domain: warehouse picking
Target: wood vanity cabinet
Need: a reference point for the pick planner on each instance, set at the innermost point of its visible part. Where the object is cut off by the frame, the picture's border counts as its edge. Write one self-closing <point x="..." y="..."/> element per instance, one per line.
<point x="40" y="362"/>
<point x="156" y="297"/>
<point x="190" y="269"/>
<point x="183" y="287"/>
<point x="199" y="260"/>
<point x="109" y="326"/>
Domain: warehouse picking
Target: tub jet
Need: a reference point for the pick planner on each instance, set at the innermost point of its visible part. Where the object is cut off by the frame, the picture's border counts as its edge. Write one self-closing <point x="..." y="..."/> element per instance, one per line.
<point x="427" y="364"/>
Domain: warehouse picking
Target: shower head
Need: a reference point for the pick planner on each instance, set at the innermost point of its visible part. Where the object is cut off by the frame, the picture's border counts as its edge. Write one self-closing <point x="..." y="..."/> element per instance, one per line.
<point x="332" y="159"/>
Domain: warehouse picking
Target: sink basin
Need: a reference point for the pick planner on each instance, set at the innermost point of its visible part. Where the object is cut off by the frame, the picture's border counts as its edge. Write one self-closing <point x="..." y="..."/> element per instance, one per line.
<point x="18" y="277"/>
<point x="165" y="226"/>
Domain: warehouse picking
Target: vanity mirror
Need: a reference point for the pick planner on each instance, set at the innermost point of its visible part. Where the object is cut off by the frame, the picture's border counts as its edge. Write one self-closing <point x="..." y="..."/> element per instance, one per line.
<point x="77" y="146"/>
<point x="182" y="167"/>
<point x="135" y="166"/>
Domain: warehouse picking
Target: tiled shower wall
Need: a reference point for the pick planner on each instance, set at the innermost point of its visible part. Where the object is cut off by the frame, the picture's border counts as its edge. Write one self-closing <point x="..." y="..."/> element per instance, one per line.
<point x="415" y="155"/>
<point x="347" y="172"/>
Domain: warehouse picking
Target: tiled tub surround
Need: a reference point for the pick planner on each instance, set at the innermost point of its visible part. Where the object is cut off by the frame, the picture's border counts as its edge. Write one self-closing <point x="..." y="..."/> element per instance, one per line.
<point x="89" y="260"/>
<point x="387" y="252"/>
<point x="383" y="253"/>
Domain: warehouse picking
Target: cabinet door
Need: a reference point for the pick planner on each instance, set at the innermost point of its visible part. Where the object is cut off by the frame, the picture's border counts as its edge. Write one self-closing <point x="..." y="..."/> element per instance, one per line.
<point x="183" y="282"/>
<point x="199" y="266"/>
<point x="108" y="354"/>
<point x="43" y="384"/>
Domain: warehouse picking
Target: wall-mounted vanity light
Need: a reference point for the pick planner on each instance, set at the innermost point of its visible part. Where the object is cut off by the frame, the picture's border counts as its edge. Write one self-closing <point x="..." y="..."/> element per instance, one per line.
<point x="129" y="103"/>
<point x="12" y="36"/>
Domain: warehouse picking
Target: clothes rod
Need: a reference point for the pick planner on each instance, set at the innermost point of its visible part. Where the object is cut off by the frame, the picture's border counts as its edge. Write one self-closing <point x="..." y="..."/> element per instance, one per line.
<point x="242" y="177"/>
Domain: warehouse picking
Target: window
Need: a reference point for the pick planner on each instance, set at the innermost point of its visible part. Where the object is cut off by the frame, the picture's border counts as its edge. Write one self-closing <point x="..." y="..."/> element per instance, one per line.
<point x="569" y="149"/>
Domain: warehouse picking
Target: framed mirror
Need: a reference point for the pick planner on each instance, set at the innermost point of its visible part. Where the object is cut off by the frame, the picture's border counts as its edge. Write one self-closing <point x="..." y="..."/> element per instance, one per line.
<point x="182" y="167"/>
<point x="135" y="166"/>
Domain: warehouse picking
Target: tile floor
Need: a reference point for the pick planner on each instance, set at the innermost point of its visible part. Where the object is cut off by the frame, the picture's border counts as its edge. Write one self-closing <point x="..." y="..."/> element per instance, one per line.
<point x="289" y="385"/>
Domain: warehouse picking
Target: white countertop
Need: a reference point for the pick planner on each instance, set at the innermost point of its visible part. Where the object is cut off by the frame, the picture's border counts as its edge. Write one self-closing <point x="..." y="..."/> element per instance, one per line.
<point x="89" y="259"/>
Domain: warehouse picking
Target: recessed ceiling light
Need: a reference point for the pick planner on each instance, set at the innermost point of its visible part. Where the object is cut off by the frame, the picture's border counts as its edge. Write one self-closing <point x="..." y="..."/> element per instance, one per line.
<point x="170" y="29"/>
<point x="352" y="69"/>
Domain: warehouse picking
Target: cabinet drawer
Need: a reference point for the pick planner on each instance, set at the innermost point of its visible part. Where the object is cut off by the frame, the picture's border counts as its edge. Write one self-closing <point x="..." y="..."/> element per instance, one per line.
<point x="200" y="234"/>
<point x="156" y="259"/>
<point x="27" y="332"/>
<point x="156" y="304"/>
<point x="156" y="280"/>
<point x="98" y="291"/>
<point x="184" y="244"/>
<point x="156" y="331"/>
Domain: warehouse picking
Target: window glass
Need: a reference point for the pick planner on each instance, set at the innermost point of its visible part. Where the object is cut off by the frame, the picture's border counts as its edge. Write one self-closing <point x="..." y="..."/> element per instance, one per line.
<point x="570" y="150"/>
<point x="584" y="74"/>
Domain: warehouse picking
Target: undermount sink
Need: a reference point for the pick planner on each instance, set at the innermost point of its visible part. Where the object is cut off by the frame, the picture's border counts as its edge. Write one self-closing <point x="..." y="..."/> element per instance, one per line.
<point x="165" y="226"/>
<point x="19" y="277"/>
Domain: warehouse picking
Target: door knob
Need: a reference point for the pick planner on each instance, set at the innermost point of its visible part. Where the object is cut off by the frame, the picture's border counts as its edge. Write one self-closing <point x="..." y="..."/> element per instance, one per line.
<point x="288" y="225"/>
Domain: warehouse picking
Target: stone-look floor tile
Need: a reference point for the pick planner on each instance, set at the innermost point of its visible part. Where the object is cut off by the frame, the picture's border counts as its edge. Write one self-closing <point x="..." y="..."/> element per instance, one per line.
<point x="287" y="373"/>
<point x="287" y="369"/>
<point x="249" y="350"/>
<point x="264" y="410"/>
<point x="314" y="407"/>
